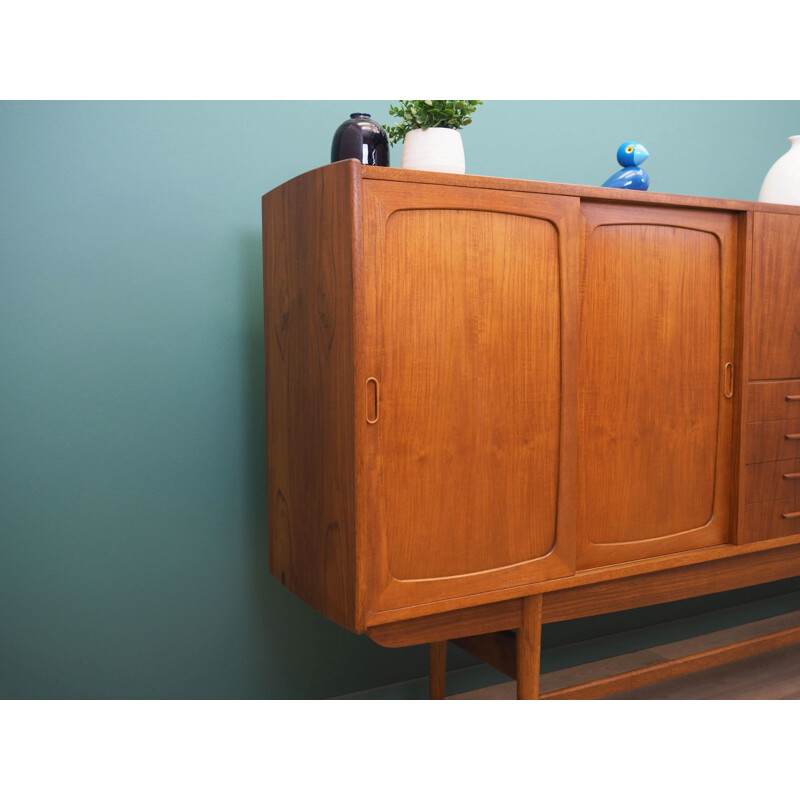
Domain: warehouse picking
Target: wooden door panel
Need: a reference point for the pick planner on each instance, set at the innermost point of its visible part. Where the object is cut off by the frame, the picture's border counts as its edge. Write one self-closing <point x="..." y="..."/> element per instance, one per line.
<point x="775" y="297"/>
<point x="469" y="380"/>
<point x="473" y="343"/>
<point x="654" y="426"/>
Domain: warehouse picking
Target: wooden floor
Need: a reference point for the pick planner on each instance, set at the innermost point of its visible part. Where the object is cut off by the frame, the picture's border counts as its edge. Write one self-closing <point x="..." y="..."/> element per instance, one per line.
<point x="770" y="676"/>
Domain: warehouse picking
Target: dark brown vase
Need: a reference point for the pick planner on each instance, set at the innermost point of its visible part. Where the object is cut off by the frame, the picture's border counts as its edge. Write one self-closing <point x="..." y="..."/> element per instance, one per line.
<point x="362" y="138"/>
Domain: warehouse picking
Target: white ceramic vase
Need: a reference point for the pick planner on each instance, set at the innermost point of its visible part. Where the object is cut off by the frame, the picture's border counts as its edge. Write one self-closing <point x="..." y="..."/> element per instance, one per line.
<point x="782" y="184"/>
<point x="434" y="150"/>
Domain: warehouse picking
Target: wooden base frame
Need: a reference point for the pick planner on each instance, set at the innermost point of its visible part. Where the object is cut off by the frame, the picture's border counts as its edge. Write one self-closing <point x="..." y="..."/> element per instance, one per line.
<point x="438" y="670"/>
<point x="503" y="652"/>
<point x="507" y="634"/>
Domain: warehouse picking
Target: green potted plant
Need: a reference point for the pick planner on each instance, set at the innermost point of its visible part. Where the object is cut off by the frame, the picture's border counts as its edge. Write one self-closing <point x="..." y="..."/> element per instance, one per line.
<point x="430" y="132"/>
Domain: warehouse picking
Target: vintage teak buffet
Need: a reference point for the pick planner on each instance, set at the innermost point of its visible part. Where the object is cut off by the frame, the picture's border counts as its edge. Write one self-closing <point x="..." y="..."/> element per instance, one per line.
<point x="494" y="403"/>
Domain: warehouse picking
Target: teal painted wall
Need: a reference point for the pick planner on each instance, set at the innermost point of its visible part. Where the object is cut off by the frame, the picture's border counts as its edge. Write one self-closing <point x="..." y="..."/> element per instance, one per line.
<point x="133" y="555"/>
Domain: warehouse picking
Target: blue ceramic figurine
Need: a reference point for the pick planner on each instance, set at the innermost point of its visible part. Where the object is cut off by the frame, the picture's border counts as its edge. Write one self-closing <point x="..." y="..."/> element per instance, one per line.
<point x="631" y="176"/>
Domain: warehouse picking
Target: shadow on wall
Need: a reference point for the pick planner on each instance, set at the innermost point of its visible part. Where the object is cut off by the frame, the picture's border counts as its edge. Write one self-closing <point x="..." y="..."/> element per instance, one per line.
<point x="275" y="626"/>
<point x="253" y="421"/>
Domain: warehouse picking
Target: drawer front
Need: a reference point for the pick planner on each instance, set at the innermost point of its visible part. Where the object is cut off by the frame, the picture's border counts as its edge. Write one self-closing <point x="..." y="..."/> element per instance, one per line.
<point x="772" y="441"/>
<point x="771" y="520"/>
<point x="774" y="480"/>
<point x="773" y="400"/>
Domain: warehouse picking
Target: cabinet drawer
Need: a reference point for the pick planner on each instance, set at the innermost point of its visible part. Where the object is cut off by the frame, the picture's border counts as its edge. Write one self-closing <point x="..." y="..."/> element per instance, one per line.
<point x="767" y="521"/>
<point x="773" y="400"/>
<point x="773" y="480"/>
<point x="772" y="441"/>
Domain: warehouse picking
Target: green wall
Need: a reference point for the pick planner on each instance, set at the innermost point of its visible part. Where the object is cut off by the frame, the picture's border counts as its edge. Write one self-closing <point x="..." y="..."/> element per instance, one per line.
<point x="133" y="555"/>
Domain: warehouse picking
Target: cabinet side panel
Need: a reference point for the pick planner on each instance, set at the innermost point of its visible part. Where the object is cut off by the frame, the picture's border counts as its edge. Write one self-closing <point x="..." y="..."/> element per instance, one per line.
<point x="308" y="336"/>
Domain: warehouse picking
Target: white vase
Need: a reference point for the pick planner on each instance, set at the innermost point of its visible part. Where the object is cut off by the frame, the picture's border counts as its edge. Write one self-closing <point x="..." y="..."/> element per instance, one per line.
<point x="434" y="150"/>
<point x="782" y="184"/>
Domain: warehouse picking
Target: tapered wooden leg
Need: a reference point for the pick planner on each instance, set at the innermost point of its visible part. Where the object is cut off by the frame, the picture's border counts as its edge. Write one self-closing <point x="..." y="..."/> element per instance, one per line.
<point x="529" y="648"/>
<point x="438" y="670"/>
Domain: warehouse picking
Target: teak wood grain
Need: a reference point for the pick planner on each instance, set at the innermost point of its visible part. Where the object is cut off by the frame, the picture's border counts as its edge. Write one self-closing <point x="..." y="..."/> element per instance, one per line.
<point x="773" y="400"/>
<point x="529" y="648"/>
<point x="772" y="480"/>
<point x="771" y="441"/>
<point x="469" y="327"/>
<point x="482" y="390"/>
<point x="308" y="321"/>
<point x="657" y="331"/>
<point x="586" y="577"/>
<point x="438" y="670"/>
<point x="462" y="383"/>
<point x="742" y="396"/>
<point x="684" y="665"/>
<point x="462" y="622"/>
<point x="570" y="190"/>
<point x="663" y="579"/>
<point x="620" y="594"/>
<point x="680" y="583"/>
<point x="773" y="519"/>
<point x="498" y="649"/>
<point x="775" y="314"/>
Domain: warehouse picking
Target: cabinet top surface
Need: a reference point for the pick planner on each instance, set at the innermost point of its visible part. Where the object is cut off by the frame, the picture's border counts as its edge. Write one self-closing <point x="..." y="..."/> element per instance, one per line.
<point x="542" y="187"/>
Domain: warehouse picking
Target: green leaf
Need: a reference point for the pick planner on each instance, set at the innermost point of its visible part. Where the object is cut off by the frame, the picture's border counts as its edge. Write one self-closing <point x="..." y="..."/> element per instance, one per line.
<point x="424" y="114"/>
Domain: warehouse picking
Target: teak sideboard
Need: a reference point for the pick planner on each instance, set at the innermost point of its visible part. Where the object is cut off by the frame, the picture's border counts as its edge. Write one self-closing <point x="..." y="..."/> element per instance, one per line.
<point x="494" y="403"/>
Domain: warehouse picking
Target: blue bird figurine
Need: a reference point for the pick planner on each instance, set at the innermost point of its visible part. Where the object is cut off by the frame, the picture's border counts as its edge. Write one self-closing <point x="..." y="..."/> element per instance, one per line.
<point x="631" y="176"/>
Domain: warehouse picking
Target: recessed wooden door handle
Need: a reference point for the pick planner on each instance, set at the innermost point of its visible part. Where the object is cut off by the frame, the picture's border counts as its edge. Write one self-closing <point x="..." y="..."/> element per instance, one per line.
<point x="373" y="401"/>
<point x="790" y="514"/>
<point x="729" y="380"/>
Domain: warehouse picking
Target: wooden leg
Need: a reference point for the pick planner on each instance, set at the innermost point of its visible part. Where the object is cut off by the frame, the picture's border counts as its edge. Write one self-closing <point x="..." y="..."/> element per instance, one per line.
<point x="438" y="670"/>
<point x="529" y="647"/>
